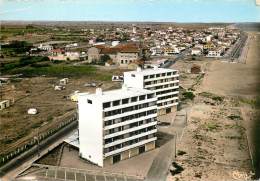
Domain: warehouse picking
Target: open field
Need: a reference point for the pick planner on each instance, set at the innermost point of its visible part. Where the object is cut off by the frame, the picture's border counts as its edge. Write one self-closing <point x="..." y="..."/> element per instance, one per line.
<point x="38" y="92"/>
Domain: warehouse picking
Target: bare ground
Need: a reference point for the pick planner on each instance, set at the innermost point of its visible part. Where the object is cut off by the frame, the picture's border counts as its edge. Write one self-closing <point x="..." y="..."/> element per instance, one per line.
<point x="216" y="139"/>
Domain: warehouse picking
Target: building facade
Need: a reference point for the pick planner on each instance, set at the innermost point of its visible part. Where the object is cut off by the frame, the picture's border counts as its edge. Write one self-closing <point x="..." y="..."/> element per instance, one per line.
<point x="163" y="82"/>
<point x="116" y="125"/>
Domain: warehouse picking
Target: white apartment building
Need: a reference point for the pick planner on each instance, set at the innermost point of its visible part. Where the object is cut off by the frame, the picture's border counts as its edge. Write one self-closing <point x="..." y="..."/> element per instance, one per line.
<point x="116" y="125"/>
<point x="163" y="82"/>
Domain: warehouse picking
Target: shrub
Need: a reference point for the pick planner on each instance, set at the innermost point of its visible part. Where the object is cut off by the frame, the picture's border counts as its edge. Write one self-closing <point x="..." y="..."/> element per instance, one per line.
<point x="188" y="95"/>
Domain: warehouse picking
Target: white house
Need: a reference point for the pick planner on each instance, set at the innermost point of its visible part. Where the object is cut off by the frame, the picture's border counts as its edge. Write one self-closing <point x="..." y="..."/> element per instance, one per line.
<point x="196" y="51"/>
<point x="163" y="82"/>
<point x="116" y="125"/>
<point x="215" y="53"/>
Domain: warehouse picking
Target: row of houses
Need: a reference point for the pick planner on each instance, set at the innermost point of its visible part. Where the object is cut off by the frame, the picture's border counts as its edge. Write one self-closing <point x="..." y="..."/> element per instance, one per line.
<point x="121" y="55"/>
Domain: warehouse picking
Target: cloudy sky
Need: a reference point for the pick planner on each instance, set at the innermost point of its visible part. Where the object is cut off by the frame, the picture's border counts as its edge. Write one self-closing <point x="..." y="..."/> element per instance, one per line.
<point x="131" y="10"/>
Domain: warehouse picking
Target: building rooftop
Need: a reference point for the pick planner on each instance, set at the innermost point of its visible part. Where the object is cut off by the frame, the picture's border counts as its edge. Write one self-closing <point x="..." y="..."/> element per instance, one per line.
<point x="112" y="95"/>
<point x="150" y="71"/>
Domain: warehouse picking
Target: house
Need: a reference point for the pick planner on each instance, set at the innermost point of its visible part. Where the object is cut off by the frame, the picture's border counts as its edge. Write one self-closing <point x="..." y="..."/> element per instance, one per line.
<point x="215" y="53"/>
<point x="126" y="55"/>
<point x="209" y="46"/>
<point x="93" y="54"/>
<point x="4" y="104"/>
<point x="45" y="47"/>
<point x="116" y="125"/>
<point x="163" y="82"/>
<point x="196" y="51"/>
<point x="64" y="81"/>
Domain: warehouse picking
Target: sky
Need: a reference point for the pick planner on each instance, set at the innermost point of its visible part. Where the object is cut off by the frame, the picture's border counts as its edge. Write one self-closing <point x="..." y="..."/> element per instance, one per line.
<point x="131" y="10"/>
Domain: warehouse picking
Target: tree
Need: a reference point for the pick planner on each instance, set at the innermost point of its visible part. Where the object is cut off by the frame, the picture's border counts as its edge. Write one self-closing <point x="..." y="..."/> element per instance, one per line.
<point x="104" y="58"/>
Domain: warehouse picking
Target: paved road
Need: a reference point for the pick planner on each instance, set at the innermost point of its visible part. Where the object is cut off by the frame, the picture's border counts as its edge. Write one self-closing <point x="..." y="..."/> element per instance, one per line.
<point x="163" y="160"/>
<point x="53" y="141"/>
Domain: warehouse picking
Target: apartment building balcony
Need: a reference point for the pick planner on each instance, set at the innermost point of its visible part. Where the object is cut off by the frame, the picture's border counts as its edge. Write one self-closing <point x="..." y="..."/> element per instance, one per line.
<point x="161" y="77"/>
<point x="130" y="146"/>
<point x="167" y="100"/>
<point x="137" y="102"/>
<point x="159" y="84"/>
<point x="154" y="123"/>
<point x="167" y="94"/>
<point x="168" y="105"/>
<point x="129" y="113"/>
<point x="130" y="138"/>
<point x="166" y="88"/>
<point x="124" y="123"/>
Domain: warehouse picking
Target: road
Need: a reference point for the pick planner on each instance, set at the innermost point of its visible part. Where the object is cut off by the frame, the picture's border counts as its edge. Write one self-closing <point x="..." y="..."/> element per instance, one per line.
<point x="25" y="160"/>
<point x="173" y="60"/>
<point x="162" y="162"/>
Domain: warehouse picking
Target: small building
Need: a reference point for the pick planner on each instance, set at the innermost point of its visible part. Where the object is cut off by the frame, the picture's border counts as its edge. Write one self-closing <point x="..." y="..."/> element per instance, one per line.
<point x="215" y="53"/>
<point x="64" y="81"/>
<point x="195" y="69"/>
<point x="196" y="51"/>
<point x="4" y="104"/>
<point x="93" y="54"/>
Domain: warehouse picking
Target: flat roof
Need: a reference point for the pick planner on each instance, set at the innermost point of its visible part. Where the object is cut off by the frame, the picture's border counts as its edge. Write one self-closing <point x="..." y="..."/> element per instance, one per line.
<point x="73" y="139"/>
<point x="151" y="71"/>
<point x="116" y="94"/>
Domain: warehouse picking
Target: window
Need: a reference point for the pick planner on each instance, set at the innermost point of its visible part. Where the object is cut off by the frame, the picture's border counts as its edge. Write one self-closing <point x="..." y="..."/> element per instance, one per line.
<point x="151" y="76"/>
<point x="116" y="103"/>
<point x="133" y="99"/>
<point x="142" y="97"/>
<point x="146" y="77"/>
<point x="106" y="105"/>
<point x="89" y="101"/>
<point x="157" y="75"/>
<point x="133" y="75"/>
<point x="125" y="101"/>
<point x="149" y="96"/>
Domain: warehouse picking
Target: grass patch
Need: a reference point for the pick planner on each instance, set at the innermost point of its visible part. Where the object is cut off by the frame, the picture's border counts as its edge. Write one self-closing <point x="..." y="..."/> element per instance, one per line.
<point x="212" y="96"/>
<point x="234" y="117"/>
<point x="253" y="102"/>
<point x="188" y="95"/>
<point x="211" y="126"/>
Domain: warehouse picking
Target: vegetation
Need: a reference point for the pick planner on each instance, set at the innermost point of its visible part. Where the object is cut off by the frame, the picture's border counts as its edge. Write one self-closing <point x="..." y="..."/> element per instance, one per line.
<point x="188" y="95"/>
<point x="16" y="47"/>
<point x="211" y="126"/>
<point x="24" y="61"/>
<point x="234" y="117"/>
<point x="212" y="96"/>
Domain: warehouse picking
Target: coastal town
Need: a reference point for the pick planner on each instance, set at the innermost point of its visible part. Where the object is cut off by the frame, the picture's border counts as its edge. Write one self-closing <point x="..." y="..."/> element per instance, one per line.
<point x="127" y="47"/>
<point x="127" y="101"/>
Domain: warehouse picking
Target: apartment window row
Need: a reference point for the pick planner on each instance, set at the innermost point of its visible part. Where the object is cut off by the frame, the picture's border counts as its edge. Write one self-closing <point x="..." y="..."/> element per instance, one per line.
<point x="127" y="100"/>
<point x="130" y="117"/>
<point x="166" y="91"/>
<point x="122" y="128"/>
<point x="167" y="97"/>
<point x="131" y="142"/>
<point x="159" y="75"/>
<point x="127" y="135"/>
<point x="164" y="86"/>
<point x="167" y="103"/>
<point x="128" y="109"/>
<point x="161" y="81"/>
